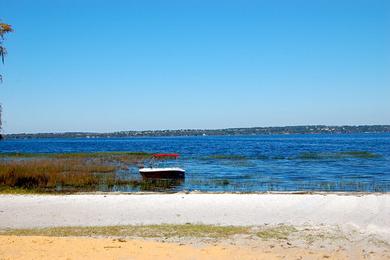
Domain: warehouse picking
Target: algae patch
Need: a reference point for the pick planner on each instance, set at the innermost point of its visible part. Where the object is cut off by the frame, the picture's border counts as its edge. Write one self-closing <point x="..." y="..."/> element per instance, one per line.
<point x="337" y="155"/>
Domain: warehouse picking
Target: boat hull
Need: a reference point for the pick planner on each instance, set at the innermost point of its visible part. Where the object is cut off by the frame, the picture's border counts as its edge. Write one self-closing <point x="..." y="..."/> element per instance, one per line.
<point x="162" y="173"/>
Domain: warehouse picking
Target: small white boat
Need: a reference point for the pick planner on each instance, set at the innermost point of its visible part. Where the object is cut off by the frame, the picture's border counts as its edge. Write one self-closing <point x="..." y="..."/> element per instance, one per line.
<point x="163" y="172"/>
<point x="166" y="173"/>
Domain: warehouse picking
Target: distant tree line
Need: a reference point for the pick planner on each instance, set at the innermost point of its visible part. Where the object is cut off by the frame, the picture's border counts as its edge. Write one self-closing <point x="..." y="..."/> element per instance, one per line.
<point x="313" y="129"/>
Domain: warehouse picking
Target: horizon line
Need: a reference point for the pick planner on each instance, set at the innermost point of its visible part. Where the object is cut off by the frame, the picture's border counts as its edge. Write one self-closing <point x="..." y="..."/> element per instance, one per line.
<point x="195" y="129"/>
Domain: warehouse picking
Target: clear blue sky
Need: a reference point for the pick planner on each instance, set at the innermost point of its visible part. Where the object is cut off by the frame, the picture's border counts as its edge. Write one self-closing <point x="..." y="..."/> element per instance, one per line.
<point x="132" y="65"/>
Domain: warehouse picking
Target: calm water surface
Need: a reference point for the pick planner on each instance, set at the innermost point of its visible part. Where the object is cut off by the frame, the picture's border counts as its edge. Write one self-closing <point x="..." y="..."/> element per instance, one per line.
<point x="250" y="163"/>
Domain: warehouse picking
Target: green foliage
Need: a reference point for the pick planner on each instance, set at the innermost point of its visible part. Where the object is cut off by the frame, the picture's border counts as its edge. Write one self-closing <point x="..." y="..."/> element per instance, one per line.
<point x="4" y="29"/>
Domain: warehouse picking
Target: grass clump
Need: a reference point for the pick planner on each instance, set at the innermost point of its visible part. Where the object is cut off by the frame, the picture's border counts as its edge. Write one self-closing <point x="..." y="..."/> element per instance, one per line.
<point x="151" y="231"/>
<point x="278" y="232"/>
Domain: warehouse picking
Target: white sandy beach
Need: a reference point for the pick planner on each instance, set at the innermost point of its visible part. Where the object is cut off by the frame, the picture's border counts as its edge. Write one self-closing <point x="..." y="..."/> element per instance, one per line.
<point x="368" y="213"/>
<point x="344" y="226"/>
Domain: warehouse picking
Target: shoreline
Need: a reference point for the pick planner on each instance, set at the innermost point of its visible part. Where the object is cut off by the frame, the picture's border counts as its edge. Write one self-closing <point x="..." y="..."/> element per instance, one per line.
<point x="200" y="225"/>
<point x="366" y="212"/>
<point x="113" y="193"/>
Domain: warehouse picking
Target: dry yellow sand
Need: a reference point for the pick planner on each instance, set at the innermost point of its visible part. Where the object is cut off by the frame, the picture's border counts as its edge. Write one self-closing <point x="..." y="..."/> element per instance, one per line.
<point x="38" y="247"/>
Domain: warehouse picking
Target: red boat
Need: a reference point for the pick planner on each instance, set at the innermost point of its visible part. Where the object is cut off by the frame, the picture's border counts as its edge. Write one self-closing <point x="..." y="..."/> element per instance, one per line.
<point x="162" y="172"/>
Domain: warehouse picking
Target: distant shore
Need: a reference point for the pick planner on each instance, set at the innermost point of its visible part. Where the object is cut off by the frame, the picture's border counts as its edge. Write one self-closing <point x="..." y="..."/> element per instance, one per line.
<point x="281" y="130"/>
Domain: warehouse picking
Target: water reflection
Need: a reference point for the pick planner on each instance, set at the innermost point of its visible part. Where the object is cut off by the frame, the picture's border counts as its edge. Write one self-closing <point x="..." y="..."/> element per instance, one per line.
<point x="161" y="184"/>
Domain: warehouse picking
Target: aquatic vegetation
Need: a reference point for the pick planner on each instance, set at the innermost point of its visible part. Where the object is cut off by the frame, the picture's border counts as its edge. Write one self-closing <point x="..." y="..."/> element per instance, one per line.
<point x="259" y="156"/>
<point x="279" y="157"/>
<point x="235" y="157"/>
<point x="223" y="182"/>
<point x="360" y="154"/>
<point x="47" y="173"/>
<point x="123" y="156"/>
<point x="336" y="155"/>
<point x="227" y="157"/>
<point x="64" y="172"/>
<point x="72" y="172"/>
<point x="310" y="156"/>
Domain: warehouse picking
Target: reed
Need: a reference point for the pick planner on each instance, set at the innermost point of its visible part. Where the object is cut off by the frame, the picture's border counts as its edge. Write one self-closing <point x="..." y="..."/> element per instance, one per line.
<point x="131" y="156"/>
<point x="46" y="172"/>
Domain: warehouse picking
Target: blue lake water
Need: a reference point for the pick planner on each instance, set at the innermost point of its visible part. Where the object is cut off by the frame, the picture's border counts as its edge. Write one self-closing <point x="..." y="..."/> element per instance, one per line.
<point x="250" y="163"/>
